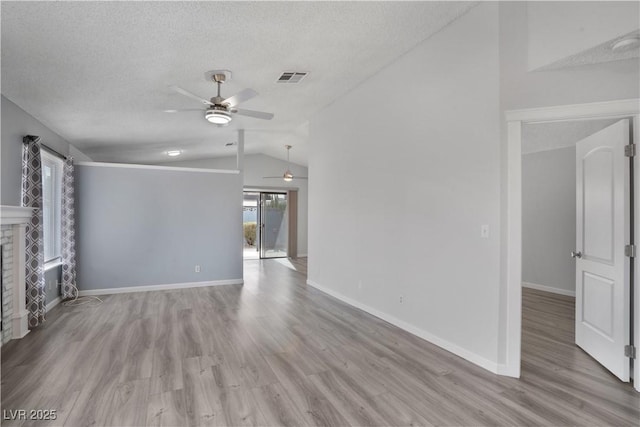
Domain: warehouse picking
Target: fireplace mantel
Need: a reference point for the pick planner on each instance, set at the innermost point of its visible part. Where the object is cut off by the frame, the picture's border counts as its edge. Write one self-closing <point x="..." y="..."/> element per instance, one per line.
<point x="17" y="217"/>
<point x="10" y="215"/>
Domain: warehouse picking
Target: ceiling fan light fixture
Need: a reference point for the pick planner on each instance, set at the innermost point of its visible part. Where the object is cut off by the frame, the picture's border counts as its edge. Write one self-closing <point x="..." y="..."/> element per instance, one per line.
<point x="217" y="116"/>
<point x="627" y="43"/>
<point x="288" y="176"/>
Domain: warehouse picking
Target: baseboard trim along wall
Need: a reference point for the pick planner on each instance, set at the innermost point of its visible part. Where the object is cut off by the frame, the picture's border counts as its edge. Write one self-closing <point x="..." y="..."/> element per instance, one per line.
<point x="549" y="289"/>
<point x="53" y="303"/>
<point x="449" y="346"/>
<point x="148" y="288"/>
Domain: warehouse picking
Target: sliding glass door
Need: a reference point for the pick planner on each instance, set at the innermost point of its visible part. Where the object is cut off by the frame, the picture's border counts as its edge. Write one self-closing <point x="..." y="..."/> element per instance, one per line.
<point x="274" y="225"/>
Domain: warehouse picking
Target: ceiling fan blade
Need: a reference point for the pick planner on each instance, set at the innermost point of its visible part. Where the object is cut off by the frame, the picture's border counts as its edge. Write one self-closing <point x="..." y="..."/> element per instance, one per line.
<point x="281" y="177"/>
<point x="254" y="114"/>
<point x="189" y="94"/>
<point x="242" y="96"/>
<point x="183" y="110"/>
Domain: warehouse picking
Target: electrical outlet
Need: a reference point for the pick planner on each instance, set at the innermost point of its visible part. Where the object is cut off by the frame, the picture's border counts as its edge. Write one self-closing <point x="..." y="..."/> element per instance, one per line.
<point x="484" y="231"/>
<point x="197" y="269"/>
<point x="401" y="299"/>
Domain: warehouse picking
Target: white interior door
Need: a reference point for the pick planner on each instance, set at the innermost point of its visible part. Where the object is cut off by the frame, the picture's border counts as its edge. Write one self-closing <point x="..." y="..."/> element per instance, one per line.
<point x="602" y="269"/>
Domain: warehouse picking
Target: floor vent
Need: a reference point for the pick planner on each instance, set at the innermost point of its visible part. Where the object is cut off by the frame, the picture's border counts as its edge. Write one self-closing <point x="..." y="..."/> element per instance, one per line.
<point x="292" y="77"/>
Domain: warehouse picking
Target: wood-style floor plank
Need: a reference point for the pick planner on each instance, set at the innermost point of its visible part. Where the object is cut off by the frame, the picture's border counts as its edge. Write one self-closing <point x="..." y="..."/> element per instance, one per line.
<point x="167" y="409"/>
<point x="277" y="352"/>
<point x="276" y="406"/>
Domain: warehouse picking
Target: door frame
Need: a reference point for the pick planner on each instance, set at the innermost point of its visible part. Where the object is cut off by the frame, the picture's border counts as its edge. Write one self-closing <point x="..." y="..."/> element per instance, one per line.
<point x="512" y="227"/>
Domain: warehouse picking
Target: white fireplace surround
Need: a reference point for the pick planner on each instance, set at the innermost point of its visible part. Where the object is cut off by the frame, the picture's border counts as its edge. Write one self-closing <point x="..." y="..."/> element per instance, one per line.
<point x="18" y="217"/>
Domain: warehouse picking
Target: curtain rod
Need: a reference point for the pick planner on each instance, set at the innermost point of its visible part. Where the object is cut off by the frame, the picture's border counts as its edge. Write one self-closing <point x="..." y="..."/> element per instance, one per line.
<point x="46" y="147"/>
<point x="34" y="138"/>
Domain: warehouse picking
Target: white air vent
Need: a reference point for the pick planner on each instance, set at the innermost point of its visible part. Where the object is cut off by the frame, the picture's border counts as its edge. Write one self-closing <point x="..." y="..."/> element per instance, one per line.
<point x="292" y="77"/>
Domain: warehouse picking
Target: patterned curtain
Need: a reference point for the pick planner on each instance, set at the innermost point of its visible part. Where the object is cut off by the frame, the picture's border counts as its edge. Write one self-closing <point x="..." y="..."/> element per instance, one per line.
<point x="34" y="257"/>
<point x="68" y="232"/>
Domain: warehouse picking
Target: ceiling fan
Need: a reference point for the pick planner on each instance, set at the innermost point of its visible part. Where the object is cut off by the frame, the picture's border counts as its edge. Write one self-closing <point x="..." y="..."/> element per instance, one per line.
<point x="287" y="176"/>
<point x="219" y="110"/>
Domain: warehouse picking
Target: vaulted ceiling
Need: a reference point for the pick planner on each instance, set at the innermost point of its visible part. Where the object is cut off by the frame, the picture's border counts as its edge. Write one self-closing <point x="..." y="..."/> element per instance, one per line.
<point x="97" y="73"/>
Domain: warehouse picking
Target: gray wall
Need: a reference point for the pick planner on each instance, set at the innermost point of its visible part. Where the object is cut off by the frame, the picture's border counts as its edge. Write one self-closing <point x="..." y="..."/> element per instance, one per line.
<point x="141" y="226"/>
<point x="255" y="167"/>
<point x="549" y="218"/>
<point x="17" y="123"/>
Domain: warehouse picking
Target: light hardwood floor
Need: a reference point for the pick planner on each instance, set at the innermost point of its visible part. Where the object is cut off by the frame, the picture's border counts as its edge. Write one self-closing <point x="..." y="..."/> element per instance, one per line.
<point x="276" y="352"/>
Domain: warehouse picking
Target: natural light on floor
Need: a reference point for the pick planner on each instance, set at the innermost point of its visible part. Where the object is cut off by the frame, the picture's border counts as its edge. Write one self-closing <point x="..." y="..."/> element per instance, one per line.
<point x="286" y="263"/>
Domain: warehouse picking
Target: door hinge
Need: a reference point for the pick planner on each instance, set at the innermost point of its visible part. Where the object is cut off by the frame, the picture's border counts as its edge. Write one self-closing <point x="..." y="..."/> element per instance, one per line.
<point x="630" y="251"/>
<point x="630" y="351"/>
<point x="630" y="150"/>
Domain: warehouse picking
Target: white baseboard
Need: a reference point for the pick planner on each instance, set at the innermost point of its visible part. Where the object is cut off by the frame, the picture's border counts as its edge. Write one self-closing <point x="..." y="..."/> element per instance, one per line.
<point x="302" y="255"/>
<point x="53" y="303"/>
<point x="549" y="289"/>
<point x="440" y="342"/>
<point x="129" y="289"/>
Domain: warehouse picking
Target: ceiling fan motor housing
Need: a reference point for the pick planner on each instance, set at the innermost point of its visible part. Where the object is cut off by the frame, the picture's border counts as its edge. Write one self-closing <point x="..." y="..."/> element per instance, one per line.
<point x="218" y="115"/>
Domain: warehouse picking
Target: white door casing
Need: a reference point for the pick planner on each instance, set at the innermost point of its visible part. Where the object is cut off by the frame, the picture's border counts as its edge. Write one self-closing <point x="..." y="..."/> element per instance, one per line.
<point x="602" y="231"/>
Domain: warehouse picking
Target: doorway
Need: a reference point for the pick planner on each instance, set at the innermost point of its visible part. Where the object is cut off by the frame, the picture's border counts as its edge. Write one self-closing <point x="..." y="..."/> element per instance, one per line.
<point x="265" y="218"/>
<point x="626" y="109"/>
<point x="574" y="229"/>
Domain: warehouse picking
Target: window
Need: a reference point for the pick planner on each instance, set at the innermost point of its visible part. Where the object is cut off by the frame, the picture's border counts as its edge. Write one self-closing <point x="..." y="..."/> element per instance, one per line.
<point x="51" y="206"/>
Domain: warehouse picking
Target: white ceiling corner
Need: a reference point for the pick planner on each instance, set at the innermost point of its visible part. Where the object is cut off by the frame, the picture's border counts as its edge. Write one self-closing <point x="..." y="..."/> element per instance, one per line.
<point x="97" y="73"/>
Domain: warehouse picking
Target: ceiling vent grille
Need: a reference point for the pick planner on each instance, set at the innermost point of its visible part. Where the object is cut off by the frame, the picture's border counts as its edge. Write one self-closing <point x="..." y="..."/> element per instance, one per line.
<point x="292" y="77"/>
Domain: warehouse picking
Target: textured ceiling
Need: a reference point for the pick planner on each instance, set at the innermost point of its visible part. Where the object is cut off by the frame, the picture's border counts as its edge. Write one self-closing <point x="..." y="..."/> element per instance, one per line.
<point x="550" y="136"/>
<point x="97" y="73"/>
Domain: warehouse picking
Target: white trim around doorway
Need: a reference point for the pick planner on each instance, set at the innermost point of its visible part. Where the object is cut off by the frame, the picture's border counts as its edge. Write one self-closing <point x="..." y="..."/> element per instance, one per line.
<point x="515" y="120"/>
